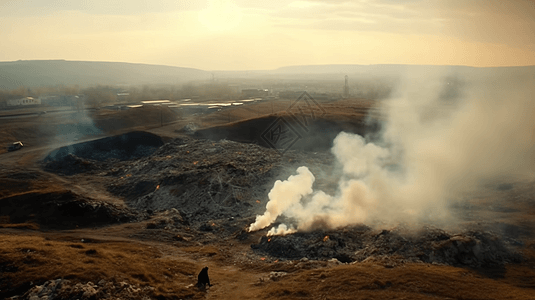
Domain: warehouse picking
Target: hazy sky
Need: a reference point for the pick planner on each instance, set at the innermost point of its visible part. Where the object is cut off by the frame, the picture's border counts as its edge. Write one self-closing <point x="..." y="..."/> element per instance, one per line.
<point x="241" y="34"/>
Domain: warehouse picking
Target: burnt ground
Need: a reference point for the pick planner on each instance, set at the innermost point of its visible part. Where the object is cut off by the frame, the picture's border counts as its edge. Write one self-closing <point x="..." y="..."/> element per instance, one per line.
<point x="136" y="216"/>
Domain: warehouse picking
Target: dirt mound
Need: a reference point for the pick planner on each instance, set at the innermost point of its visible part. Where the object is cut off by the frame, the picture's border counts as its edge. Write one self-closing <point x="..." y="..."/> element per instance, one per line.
<point x="83" y="157"/>
<point x="206" y="180"/>
<point x="471" y="248"/>
<point x="70" y="165"/>
<point x="127" y="146"/>
<point x="18" y="181"/>
<point x="61" y="209"/>
<point x="202" y="179"/>
<point x="315" y="134"/>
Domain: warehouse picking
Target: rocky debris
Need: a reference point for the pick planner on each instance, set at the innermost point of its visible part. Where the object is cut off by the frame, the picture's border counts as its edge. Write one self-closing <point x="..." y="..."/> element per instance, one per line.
<point x="275" y="276"/>
<point x="362" y="244"/>
<point x="317" y="245"/>
<point x="206" y="180"/>
<point x="61" y="289"/>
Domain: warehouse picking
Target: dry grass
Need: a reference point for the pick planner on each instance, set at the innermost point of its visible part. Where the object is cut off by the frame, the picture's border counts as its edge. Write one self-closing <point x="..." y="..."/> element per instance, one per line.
<point x="36" y="259"/>
<point x="411" y="281"/>
<point x="347" y="109"/>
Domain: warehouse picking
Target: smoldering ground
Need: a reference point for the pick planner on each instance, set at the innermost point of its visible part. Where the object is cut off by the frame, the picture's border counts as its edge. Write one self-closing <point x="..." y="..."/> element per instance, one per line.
<point x="437" y="143"/>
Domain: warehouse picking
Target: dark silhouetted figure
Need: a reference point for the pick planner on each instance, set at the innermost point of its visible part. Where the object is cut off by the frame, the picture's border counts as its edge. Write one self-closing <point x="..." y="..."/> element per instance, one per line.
<point x="203" y="279"/>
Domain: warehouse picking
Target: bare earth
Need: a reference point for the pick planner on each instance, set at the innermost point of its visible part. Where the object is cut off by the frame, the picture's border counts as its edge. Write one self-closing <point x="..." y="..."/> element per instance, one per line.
<point x="140" y="221"/>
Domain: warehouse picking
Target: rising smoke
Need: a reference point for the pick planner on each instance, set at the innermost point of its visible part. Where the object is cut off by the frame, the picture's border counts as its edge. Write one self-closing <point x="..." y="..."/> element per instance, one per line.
<point x="433" y="149"/>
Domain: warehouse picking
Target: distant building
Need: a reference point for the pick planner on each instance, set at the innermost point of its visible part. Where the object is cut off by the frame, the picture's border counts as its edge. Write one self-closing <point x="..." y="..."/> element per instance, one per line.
<point x="156" y="102"/>
<point x="123" y="97"/>
<point x="23" y="102"/>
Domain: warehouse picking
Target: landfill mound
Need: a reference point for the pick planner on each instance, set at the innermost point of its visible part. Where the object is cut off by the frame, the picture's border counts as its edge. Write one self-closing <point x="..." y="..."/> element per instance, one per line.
<point x="127" y="146"/>
<point x="205" y="180"/>
<point x="391" y="247"/>
<point x="217" y="187"/>
<point x="315" y="134"/>
<point x="61" y="209"/>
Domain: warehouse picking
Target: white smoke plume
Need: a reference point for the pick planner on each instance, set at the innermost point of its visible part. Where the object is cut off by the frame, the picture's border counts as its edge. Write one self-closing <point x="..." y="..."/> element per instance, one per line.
<point x="283" y="196"/>
<point x="433" y="149"/>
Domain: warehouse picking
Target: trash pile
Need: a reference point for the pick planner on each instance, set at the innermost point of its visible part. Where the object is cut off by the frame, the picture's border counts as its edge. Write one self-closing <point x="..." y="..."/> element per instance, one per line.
<point x="206" y="180"/>
<point x="392" y="247"/>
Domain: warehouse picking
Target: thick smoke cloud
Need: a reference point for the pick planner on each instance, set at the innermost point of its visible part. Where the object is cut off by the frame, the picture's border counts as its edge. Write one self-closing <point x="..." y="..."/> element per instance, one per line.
<point x="433" y="149"/>
<point x="285" y="195"/>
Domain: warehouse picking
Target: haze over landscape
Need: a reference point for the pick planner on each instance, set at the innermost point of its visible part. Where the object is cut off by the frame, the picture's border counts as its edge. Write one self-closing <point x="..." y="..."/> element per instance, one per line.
<point x="254" y="35"/>
<point x="233" y="149"/>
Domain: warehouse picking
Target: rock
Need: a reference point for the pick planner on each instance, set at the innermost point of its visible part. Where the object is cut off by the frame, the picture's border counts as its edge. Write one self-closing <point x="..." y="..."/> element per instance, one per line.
<point x="275" y="276"/>
<point x="391" y="248"/>
<point x="334" y="261"/>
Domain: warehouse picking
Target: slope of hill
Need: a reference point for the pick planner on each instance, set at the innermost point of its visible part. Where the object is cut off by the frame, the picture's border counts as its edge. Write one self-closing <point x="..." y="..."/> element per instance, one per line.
<point x="334" y="71"/>
<point x="32" y="73"/>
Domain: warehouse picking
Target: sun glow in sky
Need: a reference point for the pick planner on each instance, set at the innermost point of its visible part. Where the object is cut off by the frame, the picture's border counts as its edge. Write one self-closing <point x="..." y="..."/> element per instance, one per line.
<point x="240" y="34"/>
<point x="220" y="15"/>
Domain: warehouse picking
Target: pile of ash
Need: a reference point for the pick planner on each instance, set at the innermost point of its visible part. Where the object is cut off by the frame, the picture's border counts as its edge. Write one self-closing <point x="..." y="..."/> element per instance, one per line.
<point x="206" y="180"/>
<point x="83" y="157"/>
<point x="359" y="244"/>
<point x="63" y="209"/>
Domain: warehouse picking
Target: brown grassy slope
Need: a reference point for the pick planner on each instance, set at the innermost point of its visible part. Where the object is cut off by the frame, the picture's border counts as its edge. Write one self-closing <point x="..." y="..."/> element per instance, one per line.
<point x="36" y="131"/>
<point x="26" y="259"/>
<point x="317" y="126"/>
<point x="412" y="281"/>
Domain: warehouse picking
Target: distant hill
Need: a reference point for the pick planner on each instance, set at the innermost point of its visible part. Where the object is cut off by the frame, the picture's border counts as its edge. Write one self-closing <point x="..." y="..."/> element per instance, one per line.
<point x="327" y="72"/>
<point x="32" y="73"/>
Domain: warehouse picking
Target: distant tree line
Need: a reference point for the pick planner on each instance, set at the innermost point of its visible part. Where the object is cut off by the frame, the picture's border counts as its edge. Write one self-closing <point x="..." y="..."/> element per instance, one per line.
<point x="212" y="90"/>
<point x="102" y="95"/>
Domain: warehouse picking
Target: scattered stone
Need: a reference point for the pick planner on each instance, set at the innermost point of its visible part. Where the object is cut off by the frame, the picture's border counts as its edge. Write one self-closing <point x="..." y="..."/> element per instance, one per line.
<point x="392" y="248"/>
<point x="275" y="276"/>
<point x="66" y="289"/>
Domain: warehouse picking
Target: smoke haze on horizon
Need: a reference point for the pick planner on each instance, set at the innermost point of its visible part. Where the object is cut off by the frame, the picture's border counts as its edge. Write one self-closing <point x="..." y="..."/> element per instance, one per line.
<point x="260" y="35"/>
